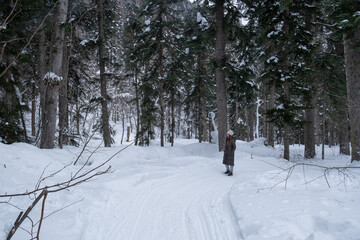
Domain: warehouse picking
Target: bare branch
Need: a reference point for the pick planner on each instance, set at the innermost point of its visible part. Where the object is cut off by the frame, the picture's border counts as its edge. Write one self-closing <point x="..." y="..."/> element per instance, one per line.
<point x="87" y="142"/>
<point x="27" y="44"/>
<point x="42" y="215"/>
<point x="62" y="209"/>
<point x="22" y="216"/>
<point x="8" y="20"/>
<point x="343" y="172"/>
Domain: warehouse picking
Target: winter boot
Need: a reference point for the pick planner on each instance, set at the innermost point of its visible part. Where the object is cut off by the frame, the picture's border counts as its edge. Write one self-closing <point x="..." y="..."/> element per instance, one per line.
<point x="230" y="173"/>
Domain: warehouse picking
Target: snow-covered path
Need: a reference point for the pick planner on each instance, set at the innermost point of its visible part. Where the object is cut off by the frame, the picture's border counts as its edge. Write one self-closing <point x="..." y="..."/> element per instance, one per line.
<point x="188" y="201"/>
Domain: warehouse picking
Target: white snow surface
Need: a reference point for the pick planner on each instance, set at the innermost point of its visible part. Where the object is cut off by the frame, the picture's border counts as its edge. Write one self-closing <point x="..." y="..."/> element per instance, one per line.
<point x="182" y="193"/>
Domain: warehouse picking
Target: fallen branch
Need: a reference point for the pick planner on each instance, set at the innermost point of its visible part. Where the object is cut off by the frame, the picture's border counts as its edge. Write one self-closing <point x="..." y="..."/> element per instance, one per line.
<point x="22" y="216"/>
<point x="343" y="173"/>
<point x="42" y="215"/>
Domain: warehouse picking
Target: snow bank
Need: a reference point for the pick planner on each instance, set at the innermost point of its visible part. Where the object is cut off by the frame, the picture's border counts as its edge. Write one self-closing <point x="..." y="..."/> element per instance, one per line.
<point x="181" y="193"/>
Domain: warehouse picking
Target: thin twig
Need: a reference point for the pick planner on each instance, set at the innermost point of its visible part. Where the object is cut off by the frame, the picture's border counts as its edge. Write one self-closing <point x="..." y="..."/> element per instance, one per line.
<point x="7" y="18"/>
<point x="42" y="214"/>
<point x="63" y="208"/>
<point x="83" y="149"/>
<point x="27" y="44"/>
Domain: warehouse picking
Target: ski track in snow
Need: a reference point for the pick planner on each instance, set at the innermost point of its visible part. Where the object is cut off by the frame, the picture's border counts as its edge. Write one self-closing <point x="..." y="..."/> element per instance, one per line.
<point x="191" y="203"/>
<point x="180" y="193"/>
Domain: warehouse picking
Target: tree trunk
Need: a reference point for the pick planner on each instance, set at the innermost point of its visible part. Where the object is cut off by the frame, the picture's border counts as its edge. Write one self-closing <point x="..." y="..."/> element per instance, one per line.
<point x="162" y="113"/>
<point x="33" y="111"/>
<point x="317" y="123"/>
<point x="286" y="93"/>
<point x="199" y="97"/>
<point x="309" y="128"/>
<point x="323" y="126"/>
<point x="271" y="105"/>
<point x="52" y="81"/>
<point x="257" y="116"/>
<point x="250" y="123"/>
<point x="161" y="81"/>
<point x="352" y="69"/>
<point x="344" y="136"/>
<point x="63" y="102"/>
<point x="221" y="98"/>
<point x="104" y="97"/>
<point x="342" y="114"/>
<point x="137" y="108"/>
<point x="123" y="126"/>
<point x="172" y="119"/>
<point x="309" y="136"/>
<point x="42" y="72"/>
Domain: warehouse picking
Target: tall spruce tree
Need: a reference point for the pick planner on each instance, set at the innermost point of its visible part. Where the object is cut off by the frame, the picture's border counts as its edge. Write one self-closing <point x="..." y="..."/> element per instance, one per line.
<point x="283" y="24"/>
<point x="345" y="15"/>
<point x="154" y="48"/>
<point x="199" y="51"/>
<point x="221" y="97"/>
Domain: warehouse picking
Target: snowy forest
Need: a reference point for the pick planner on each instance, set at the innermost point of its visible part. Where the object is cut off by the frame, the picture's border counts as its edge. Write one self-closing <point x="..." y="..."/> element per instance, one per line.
<point x="284" y="70"/>
<point x="114" y="116"/>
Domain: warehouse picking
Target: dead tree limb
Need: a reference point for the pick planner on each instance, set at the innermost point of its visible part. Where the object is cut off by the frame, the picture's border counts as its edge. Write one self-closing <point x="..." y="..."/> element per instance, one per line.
<point x="343" y="172"/>
<point x="42" y="215"/>
<point x="22" y="216"/>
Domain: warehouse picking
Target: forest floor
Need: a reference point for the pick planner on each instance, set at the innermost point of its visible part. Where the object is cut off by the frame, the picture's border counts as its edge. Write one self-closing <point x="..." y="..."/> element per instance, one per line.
<point x="182" y="193"/>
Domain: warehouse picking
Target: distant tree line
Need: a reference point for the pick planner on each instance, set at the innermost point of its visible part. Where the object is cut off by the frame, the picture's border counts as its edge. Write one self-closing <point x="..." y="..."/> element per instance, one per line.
<point x="287" y="71"/>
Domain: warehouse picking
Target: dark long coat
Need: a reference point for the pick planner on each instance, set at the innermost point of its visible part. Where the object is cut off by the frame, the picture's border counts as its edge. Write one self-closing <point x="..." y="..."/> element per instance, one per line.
<point x="229" y="152"/>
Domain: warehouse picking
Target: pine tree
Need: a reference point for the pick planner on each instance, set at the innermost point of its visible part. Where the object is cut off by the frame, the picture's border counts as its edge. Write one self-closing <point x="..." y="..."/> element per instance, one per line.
<point x="155" y="46"/>
<point x="199" y="48"/>
<point x="284" y="24"/>
<point x="17" y="65"/>
<point x="345" y="15"/>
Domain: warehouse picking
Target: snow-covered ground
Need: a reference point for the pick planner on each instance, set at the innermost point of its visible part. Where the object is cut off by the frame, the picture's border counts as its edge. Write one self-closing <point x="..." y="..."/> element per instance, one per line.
<point x="181" y="193"/>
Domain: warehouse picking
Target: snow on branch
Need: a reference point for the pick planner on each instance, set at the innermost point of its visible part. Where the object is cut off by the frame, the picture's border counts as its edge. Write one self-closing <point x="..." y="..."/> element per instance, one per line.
<point x="53" y="77"/>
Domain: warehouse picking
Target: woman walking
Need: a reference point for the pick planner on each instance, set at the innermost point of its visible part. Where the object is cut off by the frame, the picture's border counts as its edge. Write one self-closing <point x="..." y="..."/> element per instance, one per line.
<point x="229" y="150"/>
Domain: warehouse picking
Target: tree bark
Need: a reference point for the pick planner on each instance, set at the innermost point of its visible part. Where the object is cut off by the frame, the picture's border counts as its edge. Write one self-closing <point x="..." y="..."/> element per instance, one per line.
<point x="199" y="97"/>
<point x="352" y="69"/>
<point x="220" y="75"/>
<point x="52" y="81"/>
<point x="250" y="123"/>
<point x="42" y="72"/>
<point x="309" y="137"/>
<point x="309" y="128"/>
<point x="271" y="105"/>
<point x="137" y="100"/>
<point x="63" y="102"/>
<point x="172" y="119"/>
<point x="323" y="132"/>
<point x="33" y="111"/>
<point x="161" y="76"/>
<point x="103" y="84"/>
<point x="286" y="92"/>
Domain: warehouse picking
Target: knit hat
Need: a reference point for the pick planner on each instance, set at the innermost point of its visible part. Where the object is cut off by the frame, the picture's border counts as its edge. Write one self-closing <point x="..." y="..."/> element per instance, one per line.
<point x="230" y="132"/>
